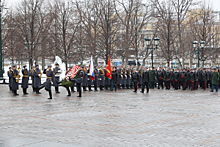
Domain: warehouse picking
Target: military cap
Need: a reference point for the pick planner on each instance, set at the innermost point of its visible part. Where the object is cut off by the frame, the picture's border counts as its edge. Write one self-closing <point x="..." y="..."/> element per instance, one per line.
<point x="24" y="66"/>
<point x="49" y="66"/>
<point x="9" y="67"/>
<point x="134" y="69"/>
<point x="153" y="67"/>
<point x="184" y="69"/>
<point x="82" y="66"/>
<point x="146" y="67"/>
<point x="37" y="65"/>
<point x="57" y="64"/>
<point x="14" y="65"/>
<point x="33" y="66"/>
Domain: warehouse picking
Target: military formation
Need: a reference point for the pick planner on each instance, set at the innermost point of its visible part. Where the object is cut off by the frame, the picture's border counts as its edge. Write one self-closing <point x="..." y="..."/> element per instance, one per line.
<point x="123" y="77"/>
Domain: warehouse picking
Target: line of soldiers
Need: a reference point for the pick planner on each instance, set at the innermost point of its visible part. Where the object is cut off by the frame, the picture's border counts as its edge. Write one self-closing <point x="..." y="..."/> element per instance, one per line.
<point x="122" y="78"/>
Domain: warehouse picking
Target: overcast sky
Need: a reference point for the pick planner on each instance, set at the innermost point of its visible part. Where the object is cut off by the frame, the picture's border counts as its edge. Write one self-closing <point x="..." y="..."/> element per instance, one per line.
<point x="215" y="3"/>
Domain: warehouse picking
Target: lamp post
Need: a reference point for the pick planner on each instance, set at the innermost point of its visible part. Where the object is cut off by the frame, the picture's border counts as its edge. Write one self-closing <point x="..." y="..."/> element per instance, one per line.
<point x="198" y="49"/>
<point x="156" y="43"/>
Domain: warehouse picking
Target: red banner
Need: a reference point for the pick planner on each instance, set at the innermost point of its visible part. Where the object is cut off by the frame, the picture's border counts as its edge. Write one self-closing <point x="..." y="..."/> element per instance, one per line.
<point x="109" y="68"/>
<point x="73" y="72"/>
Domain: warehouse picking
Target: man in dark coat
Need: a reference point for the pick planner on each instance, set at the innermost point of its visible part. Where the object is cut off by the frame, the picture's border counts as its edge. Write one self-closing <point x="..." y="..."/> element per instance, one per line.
<point x="196" y="82"/>
<point x="57" y="71"/>
<point x="15" y="76"/>
<point x="183" y="78"/>
<point x="209" y="73"/>
<point x="129" y="78"/>
<point x="192" y="79"/>
<point x="96" y="78"/>
<point x="200" y="77"/>
<point x="176" y="79"/>
<point x="124" y="81"/>
<point x="32" y="77"/>
<point x="145" y="79"/>
<point x="102" y="78"/>
<point x="50" y="78"/>
<point x="204" y="79"/>
<point x="89" y="81"/>
<point x="114" y="79"/>
<point x="37" y="79"/>
<point x="152" y="77"/>
<point x="10" y="79"/>
<point x="85" y="78"/>
<point x="25" y="79"/>
<point x="79" y="81"/>
<point x="140" y="71"/>
<point x="214" y="79"/>
<point x="160" y="78"/>
<point x="135" y="78"/>
<point x="167" y="79"/>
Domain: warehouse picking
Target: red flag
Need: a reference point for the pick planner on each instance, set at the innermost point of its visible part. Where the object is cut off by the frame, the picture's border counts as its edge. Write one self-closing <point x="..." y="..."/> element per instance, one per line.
<point x="73" y="72"/>
<point x="109" y="68"/>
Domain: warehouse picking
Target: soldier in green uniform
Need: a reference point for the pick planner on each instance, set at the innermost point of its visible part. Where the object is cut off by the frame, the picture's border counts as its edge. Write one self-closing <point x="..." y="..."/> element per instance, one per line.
<point x="214" y="79"/>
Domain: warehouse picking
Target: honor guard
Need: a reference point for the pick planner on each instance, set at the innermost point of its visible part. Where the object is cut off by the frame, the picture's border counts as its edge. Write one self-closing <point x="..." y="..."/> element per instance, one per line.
<point x="204" y="79"/>
<point x="79" y="81"/>
<point x="209" y="73"/>
<point x="32" y="77"/>
<point x="57" y="71"/>
<point x="50" y="78"/>
<point x="196" y="82"/>
<point x="176" y="79"/>
<point x="135" y="78"/>
<point x="37" y="79"/>
<point x="192" y="79"/>
<point x="102" y="78"/>
<point x="183" y="78"/>
<point x="128" y="71"/>
<point x="96" y="78"/>
<point x="85" y="77"/>
<point x="120" y="76"/>
<point x="9" y="79"/>
<point x="124" y="81"/>
<point x="25" y="79"/>
<point x="145" y="79"/>
<point x="15" y="79"/>
<point x="107" y="80"/>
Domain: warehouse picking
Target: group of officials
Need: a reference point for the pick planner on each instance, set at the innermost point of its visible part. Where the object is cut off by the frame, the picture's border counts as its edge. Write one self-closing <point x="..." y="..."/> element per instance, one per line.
<point x="123" y="77"/>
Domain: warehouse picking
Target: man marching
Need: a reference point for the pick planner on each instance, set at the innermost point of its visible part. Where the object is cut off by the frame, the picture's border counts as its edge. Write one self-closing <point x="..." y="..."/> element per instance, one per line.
<point x="25" y="79"/>
<point x="50" y="78"/>
<point x="79" y="81"/>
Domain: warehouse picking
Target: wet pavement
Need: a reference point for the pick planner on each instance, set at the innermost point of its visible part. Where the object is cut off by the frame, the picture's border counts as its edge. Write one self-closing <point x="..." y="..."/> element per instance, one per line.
<point x="110" y="119"/>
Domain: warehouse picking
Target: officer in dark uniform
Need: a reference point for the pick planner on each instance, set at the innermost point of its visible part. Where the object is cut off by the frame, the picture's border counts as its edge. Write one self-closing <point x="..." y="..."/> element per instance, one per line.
<point x="209" y="73"/>
<point x="124" y="81"/>
<point x="9" y="79"/>
<point x="85" y="77"/>
<point x="37" y="79"/>
<point x="32" y="77"/>
<point x="200" y="77"/>
<point x="145" y="79"/>
<point x="120" y="76"/>
<point x="204" y="79"/>
<point x="79" y="81"/>
<point x="96" y="78"/>
<point x="129" y="78"/>
<point x="167" y="79"/>
<point x="196" y="82"/>
<point x="25" y="79"/>
<point x="187" y="78"/>
<point x="57" y="72"/>
<point x="114" y="79"/>
<point x="183" y="78"/>
<point x="160" y="78"/>
<point x="140" y="71"/>
<point x="14" y="76"/>
<point x="192" y="79"/>
<point x="176" y="79"/>
<point x="135" y="78"/>
<point x="50" y="78"/>
<point x="102" y="78"/>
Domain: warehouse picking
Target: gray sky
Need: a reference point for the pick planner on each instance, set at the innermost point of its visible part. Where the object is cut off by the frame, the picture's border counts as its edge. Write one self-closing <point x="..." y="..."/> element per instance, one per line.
<point x="215" y="3"/>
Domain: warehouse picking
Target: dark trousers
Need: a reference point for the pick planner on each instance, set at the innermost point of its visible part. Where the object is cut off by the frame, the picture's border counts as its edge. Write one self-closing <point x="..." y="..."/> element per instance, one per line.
<point x="209" y="84"/>
<point x="145" y="84"/>
<point x="113" y="85"/>
<point x="152" y="85"/>
<point x="78" y="85"/>
<point x="135" y="86"/>
<point x="160" y="83"/>
<point x="176" y="85"/>
<point x="183" y="84"/>
<point x="68" y="90"/>
<point x="167" y="83"/>
<point x="192" y="86"/>
<point x="204" y="84"/>
<point x="214" y="87"/>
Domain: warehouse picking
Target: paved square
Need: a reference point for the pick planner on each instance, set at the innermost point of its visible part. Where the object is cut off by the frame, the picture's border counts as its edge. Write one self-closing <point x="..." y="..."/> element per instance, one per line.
<point x="110" y="119"/>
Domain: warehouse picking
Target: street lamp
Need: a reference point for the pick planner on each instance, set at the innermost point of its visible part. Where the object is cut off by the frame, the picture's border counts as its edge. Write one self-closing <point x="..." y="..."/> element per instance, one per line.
<point x="156" y="43"/>
<point x="198" y="49"/>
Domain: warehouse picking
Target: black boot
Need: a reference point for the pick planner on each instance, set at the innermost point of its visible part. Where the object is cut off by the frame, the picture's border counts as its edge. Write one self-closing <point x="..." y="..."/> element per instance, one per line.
<point x="90" y="89"/>
<point x="68" y="90"/>
<point x="26" y="91"/>
<point x="80" y="94"/>
<point x="23" y="91"/>
<point x="50" y="94"/>
<point x="57" y="90"/>
<point x="37" y="91"/>
<point x="95" y="88"/>
<point x="34" y="89"/>
<point x="15" y="93"/>
<point x="72" y="89"/>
